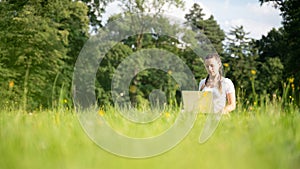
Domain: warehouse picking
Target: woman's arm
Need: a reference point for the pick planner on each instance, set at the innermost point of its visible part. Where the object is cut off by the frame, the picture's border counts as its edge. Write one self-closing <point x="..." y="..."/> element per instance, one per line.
<point x="231" y="103"/>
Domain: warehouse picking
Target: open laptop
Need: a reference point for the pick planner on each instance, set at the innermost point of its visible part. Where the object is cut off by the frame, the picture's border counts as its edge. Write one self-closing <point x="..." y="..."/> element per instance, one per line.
<point x="197" y="101"/>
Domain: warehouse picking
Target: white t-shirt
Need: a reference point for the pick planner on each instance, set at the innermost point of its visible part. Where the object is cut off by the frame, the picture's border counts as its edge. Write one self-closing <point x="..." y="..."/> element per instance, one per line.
<point x="219" y="99"/>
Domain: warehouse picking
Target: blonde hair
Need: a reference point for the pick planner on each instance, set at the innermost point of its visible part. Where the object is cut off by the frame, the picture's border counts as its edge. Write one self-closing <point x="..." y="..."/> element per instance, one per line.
<point x="218" y="59"/>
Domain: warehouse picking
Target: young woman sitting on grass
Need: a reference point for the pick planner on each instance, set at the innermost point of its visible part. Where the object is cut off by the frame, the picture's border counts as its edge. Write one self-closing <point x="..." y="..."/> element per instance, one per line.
<point x="222" y="88"/>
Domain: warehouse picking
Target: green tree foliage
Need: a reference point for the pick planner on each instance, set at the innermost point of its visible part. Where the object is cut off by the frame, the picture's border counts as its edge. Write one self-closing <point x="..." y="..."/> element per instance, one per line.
<point x="107" y="69"/>
<point x="141" y="8"/>
<point x="251" y="70"/>
<point x="138" y="37"/>
<point x="38" y="40"/>
<point x="96" y="9"/>
<point x="158" y="37"/>
<point x="240" y="55"/>
<point x="195" y="16"/>
<point x="290" y="12"/>
<point x="273" y="45"/>
<point x="209" y="27"/>
<point x="72" y="21"/>
<point x="272" y="52"/>
<point x="269" y="78"/>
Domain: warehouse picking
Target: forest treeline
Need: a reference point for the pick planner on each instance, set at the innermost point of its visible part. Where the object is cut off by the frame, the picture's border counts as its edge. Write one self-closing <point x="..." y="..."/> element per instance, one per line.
<point x="40" y="41"/>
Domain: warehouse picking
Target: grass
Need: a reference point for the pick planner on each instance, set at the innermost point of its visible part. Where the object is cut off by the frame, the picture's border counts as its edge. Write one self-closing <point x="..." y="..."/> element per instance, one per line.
<point x="260" y="137"/>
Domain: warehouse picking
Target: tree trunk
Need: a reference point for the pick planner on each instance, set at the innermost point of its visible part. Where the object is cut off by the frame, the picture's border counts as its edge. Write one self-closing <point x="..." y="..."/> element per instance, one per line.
<point x="26" y="78"/>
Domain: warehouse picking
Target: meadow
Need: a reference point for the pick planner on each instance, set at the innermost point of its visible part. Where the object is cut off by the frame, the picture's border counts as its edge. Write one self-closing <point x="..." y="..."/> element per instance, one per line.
<point x="39" y="47"/>
<point x="261" y="136"/>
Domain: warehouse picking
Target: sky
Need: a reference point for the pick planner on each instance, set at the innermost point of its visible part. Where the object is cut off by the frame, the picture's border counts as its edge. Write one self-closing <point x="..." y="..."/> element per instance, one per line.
<point x="256" y="19"/>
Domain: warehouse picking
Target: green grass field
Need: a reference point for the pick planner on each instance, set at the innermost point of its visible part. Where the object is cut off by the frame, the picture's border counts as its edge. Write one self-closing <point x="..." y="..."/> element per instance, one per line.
<point x="261" y="137"/>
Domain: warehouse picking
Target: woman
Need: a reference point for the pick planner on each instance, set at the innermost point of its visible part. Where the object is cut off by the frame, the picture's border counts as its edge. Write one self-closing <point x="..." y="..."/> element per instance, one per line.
<point x="224" y="100"/>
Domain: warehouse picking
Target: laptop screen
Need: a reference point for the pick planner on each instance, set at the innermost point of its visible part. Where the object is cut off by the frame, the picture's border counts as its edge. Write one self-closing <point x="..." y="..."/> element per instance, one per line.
<point x="197" y="101"/>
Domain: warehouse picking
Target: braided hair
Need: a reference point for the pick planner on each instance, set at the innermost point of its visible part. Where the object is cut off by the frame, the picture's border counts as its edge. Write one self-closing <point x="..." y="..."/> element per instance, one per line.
<point x="218" y="59"/>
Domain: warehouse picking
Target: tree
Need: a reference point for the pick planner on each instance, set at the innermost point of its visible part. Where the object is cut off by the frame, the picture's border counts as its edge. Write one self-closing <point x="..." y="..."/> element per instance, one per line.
<point x="215" y="34"/>
<point x="72" y="20"/>
<point x="209" y="27"/>
<point x="35" y="40"/>
<point x="252" y="67"/>
<point x="195" y="17"/>
<point x="240" y="55"/>
<point x="270" y="75"/>
<point x="162" y="36"/>
<point x="106" y="71"/>
<point x="272" y="54"/>
<point x="95" y="10"/>
<point x="141" y="8"/>
<point x="273" y="45"/>
<point x="290" y="14"/>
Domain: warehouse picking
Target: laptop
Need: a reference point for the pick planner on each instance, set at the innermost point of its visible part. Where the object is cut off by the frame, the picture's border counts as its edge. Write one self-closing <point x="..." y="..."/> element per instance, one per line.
<point x="197" y="101"/>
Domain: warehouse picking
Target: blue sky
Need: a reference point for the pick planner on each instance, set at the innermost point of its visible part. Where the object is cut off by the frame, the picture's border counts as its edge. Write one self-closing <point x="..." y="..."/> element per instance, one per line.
<point x="256" y="19"/>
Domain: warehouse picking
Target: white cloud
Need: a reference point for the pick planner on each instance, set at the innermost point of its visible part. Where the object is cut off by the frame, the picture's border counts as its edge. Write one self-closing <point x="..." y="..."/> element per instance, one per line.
<point x="255" y="28"/>
<point x="111" y="9"/>
<point x="114" y="8"/>
<point x="265" y="9"/>
<point x="256" y="19"/>
<point x="180" y="13"/>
